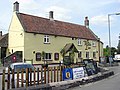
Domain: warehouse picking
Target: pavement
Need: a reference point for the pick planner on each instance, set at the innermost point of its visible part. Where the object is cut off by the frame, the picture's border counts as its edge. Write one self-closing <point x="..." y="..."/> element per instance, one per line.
<point x="63" y="85"/>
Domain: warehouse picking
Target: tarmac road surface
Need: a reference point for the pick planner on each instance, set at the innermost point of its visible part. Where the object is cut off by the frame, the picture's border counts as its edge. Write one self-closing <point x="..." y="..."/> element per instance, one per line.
<point x="111" y="83"/>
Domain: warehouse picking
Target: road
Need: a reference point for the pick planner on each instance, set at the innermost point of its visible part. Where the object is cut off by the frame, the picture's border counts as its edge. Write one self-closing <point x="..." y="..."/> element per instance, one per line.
<point x="111" y="83"/>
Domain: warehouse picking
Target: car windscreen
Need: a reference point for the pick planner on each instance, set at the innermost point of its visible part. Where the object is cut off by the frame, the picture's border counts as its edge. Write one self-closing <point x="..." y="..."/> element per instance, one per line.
<point x="23" y="66"/>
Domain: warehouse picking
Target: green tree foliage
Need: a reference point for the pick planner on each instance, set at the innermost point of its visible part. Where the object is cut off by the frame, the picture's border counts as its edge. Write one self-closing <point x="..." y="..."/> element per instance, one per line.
<point x="106" y="51"/>
<point x="113" y="50"/>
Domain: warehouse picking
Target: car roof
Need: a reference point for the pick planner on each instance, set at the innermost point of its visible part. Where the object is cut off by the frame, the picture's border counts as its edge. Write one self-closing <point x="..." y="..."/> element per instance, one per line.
<point x="20" y="63"/>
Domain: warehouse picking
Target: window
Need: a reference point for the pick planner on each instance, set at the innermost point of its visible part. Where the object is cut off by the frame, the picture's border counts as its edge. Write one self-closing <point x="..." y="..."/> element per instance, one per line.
<point x="94" y="54"/>
<point x="87" y="55"/>
<point x="38" y="56"/>
<point x="79" y="54"/>
<point x="48" y="56"/>
<point x="46" y="39"/>
<point x="73" y="38"/>
<point x="93" y="43"/>
<point x="79" y="42"/>
<point x="56" y="56"/>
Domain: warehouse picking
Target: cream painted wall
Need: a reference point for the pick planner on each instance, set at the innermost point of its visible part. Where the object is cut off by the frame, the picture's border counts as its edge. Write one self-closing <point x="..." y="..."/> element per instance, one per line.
<point x="34" y="42"/>
<point x="16" y="35"/>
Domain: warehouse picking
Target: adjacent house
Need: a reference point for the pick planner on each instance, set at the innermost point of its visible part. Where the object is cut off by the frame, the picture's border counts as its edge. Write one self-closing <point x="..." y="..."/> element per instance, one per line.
<point x="3" y="45"/>
<point x="48" y="40"/>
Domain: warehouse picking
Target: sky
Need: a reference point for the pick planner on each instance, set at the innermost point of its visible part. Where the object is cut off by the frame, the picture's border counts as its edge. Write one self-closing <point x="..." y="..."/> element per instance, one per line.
<point x="73" y="11"/>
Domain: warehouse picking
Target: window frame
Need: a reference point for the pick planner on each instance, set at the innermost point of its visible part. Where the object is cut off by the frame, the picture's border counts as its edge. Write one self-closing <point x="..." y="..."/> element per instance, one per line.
<point x="79" y="42"/>
<point x="48" y="56"/>
<point x="94" y="54"/>
<point x="46" y="39"/>
<point x="56" y="56"/>
<point x="79" y="54"/>
<point x="93" y="43"/>
<point x="36" y="56"/>
<point x="87" y="55"/>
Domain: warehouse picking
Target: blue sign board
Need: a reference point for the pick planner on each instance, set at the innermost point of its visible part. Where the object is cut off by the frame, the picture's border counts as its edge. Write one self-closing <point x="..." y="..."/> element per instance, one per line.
<point x="67" y="74"/>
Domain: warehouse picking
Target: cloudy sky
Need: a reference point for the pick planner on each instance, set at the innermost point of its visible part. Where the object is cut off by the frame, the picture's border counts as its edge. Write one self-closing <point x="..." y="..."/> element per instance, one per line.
<point x="72" y="11"/>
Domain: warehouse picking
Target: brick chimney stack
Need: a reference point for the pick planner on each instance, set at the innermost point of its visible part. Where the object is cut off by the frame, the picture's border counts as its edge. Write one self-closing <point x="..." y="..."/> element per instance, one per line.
<point x="16" y="7"/>
<point x="0" y="33"/>
<point x="86" y="22"/>
<point x="51" y="15"/>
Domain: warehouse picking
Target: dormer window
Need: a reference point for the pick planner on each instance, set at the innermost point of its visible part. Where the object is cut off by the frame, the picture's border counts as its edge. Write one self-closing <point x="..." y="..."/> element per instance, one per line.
<point x="46" y="39"/>
<point x="79" y="42"/>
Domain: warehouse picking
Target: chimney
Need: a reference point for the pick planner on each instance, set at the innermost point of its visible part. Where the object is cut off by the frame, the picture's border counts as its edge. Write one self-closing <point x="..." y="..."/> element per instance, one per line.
<point x="16" y="7"/>
<point x="51" y="15"/>
<point x="0" y="33"/>
<point x="86" y="22"/>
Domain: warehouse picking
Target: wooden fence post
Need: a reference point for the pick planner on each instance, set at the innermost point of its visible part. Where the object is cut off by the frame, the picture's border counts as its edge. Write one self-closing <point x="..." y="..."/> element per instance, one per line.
<point x="22" y="77"/>
<point x="13" y="82"/>
<point x="27" y="77"/>
<point x="30" y="77"/>
<point x="34" y="76"/>
<point x="3" y="80"/>
<point x="45" y="75"/>
<point x="8" y="79"/>
<point x="18" y="78"/>
<point x="38" y="76"/>
<point x="60" y="73"/>
<point x="41" y="75"/>
<point x="54" y="74"/>
<point x="51" y="75"/>
<point x="48" y="74"/>
<point x="57" y="73"/>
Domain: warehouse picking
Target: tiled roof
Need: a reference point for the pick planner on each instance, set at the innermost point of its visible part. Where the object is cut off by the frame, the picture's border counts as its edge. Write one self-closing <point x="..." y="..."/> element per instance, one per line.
<point x="35" y="24"/>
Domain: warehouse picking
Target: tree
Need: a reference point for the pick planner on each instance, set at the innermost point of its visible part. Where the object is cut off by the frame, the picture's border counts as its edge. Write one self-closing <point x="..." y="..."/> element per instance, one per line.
<point x="113" y="50"/>
<point x="106" y="51"/>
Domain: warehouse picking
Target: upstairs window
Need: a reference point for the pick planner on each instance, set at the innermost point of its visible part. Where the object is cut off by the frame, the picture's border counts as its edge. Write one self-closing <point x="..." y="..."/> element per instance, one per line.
<point x="93" y="43"/>
<point x="46" y="39"/>
<point x="79" y="42"/>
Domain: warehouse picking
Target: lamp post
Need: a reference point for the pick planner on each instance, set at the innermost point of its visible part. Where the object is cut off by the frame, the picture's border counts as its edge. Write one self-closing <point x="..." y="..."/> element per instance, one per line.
<point x="109" y="30"/>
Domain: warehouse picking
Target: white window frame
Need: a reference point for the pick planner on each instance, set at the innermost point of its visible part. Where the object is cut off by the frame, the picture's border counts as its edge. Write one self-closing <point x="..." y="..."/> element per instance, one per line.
<point x="79" y="41"/>
<point x="47" y="57"/>
<point x="46" y="39"/>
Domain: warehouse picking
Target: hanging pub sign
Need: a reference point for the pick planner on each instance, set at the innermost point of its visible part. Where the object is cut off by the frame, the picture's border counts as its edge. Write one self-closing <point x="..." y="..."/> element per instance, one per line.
<point x="90" y="67"/>
<point x="78" y="73"/>
<point x="67" y="74"/>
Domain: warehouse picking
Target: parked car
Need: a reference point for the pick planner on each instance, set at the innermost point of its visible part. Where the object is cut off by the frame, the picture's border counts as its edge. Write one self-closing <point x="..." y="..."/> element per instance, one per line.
<point x="19" y="67"/>
<point x="117" y="58"/>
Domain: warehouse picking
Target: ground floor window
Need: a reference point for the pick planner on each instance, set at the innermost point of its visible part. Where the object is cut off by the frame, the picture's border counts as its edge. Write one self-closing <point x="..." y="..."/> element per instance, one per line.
<point x="87" y="55"/>
<point x="79" y="54"/>
<point x="94" y="54"/>
<point x="56" y="56"/>
<point x="38" y="56"/>
<point x="48" y="56"/>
